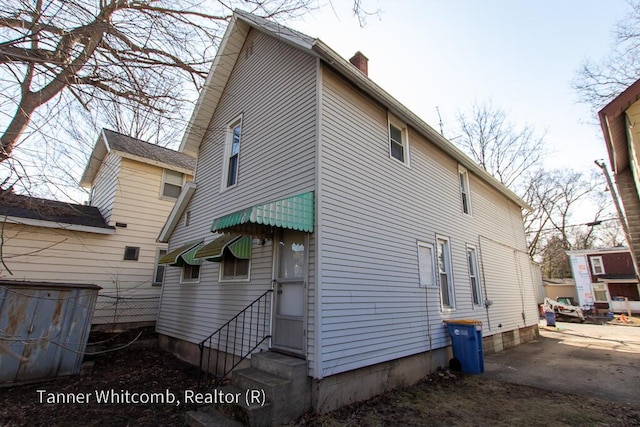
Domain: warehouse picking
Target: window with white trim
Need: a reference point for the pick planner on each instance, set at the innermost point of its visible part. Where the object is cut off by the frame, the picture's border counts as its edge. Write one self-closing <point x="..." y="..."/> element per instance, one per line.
<point x="172" y="183"/>
<point x="158" y="272"/>
<point x="190" y="273"/>
<point x="597" y="266"/>
<point x="398" y="141"/>
<point x="232" y="154"/>
<point x="425" y="265"/>
<point x="465" y="192"/>
<point x="233" y="268"/>
<point x="474" y="275"/>
<point x="445" y="277"/>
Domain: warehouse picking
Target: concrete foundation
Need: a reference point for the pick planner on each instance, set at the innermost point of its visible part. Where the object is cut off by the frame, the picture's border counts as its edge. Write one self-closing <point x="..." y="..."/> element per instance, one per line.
<point x="333" y="392"/>
<point x="190" y="353"/>
<point x="504" y="340"/>
<point x="342" y="389"/>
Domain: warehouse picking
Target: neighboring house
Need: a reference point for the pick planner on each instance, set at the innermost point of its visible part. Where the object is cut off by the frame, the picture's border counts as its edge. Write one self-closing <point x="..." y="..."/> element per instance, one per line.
<point x="110" y="243"/>
<point x="371" y="227"/>
<point x="605" y="276"/>
<point x="620" y="122"/>
<point x="554" y="288"/>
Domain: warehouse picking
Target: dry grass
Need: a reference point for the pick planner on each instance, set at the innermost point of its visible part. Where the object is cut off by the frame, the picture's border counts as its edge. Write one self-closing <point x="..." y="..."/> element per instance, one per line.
<point x="474" y="401"/>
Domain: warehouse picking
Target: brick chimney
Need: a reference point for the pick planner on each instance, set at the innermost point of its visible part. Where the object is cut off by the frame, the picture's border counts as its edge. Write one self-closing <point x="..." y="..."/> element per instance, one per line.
<point x="360" y="62"/>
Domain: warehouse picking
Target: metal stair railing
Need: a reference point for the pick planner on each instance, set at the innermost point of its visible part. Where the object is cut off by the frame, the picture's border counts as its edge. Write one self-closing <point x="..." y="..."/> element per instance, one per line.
<point x="249" y="328"/>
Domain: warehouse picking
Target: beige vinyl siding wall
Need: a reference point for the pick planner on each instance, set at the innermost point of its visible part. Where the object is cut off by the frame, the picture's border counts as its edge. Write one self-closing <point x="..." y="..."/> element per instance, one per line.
<point x="373" y="212"/>
<point x="273" y="88"/>
<point x="105" y="184"/>
<point x="49" y="254"/>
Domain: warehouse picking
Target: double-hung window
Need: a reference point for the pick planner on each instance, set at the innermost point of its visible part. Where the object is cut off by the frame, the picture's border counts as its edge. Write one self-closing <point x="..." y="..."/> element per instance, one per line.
<point x="444" y="273"/>
<point x="474" y="276"/>
<point x="398" y="141"/>
<point x="190" y="274"/>
<point x="465" y="193"/>
<point x="172" y="183"/>
<point x="234" y="268"/>
<point x="597" y="266"/>
<point x="232" y="154"/>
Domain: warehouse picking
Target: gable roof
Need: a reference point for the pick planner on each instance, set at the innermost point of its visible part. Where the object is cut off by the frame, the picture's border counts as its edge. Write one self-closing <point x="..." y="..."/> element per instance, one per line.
<point x="16" y="208"/>
<point x="238" y="29"/>
<point x="135" y="149"/>
<point x="612" y="122"/>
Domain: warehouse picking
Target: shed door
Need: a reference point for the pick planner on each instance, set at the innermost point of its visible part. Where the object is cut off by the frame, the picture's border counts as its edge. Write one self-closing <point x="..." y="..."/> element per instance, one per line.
<point x="291" y="259"/>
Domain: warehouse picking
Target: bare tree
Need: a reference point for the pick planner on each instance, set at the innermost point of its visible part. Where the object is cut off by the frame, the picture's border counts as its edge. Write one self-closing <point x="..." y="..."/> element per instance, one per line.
<point x="136" y="53"/>
<point x="598" y="81"/>
<point x="500" y="147"/>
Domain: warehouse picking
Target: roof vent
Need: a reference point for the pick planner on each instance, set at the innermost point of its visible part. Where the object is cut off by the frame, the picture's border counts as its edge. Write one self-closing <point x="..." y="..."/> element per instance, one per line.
<point x="360" y="62"/>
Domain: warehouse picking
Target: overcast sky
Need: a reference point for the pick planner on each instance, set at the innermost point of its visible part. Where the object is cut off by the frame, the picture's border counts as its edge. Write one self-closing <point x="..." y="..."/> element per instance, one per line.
<point x="521" y="55"/>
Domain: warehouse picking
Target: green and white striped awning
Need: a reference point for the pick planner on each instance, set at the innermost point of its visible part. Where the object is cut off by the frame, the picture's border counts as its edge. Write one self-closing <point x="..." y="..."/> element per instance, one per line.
<point x="239" y="246"/>
<point x="295" y="213"/>
<point x="185" y="254"/>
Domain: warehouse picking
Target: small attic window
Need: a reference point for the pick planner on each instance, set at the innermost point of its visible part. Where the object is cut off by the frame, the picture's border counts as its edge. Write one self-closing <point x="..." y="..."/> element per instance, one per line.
<point x="131" y="253"/>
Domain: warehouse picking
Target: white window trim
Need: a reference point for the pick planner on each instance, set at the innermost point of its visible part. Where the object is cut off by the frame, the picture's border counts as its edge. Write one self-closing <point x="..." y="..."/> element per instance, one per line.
<point x="189" y="281"/>
<point x="391" y="120"/>
<point x="161" y="196"/>
<point x="155" y="268"/>
<point x="433" y="280"/>
<point x="478" y="278"/>
<point x="449" y="265"/>
<point x="464" y="173"/>
<point x="223" y="280"/>
<point x="228" y="141"/>
<point x="593" y="266"/>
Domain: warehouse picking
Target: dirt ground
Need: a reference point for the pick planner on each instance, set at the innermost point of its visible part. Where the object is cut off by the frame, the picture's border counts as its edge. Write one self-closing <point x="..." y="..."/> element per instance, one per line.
<point x="443" y="398"/>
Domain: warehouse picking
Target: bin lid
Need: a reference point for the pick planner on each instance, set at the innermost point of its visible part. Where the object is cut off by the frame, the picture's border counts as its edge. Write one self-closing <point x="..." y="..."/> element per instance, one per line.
<point x="463" y="322"/>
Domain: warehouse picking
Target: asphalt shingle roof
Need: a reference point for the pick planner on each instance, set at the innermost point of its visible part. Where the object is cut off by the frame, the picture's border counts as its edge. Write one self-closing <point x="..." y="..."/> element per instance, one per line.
<point x="140" y="148"/>
<point x="21" y="206"/>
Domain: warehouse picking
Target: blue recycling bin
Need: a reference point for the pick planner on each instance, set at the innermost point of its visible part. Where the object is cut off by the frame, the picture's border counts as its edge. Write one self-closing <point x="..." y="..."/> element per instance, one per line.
<point x="466" y="340"/>
<point x="550" y="317"/>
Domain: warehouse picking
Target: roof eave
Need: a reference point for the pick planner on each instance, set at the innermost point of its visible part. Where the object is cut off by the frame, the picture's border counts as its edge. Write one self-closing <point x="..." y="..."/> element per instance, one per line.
<point x="98" y="155"/>
<point x="219" y="73"/>
<point x="58" y="225"/>
<point x="152" y="162"/>
<point x="176" y="212"/>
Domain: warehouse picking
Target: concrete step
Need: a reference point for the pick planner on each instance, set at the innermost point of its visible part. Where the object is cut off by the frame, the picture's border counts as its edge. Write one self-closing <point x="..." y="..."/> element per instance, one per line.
<point x="258" y="379"/>
<point x="255" y="415"/>
<point x="290" y="398"/>
<point x="208" y="417"/>
<point x="279" y="364"/>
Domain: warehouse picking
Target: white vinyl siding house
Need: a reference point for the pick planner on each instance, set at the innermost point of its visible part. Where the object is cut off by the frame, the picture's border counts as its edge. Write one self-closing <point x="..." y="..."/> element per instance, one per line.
<point x="393" y="251"/>
<point x="277" y="149"/>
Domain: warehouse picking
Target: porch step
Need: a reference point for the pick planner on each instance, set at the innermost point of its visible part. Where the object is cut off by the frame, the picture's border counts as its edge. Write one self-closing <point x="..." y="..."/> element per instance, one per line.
<point x="257" y="379"/>
<point x="279" y="364"/>
<point x="259" y="415"/>
<point x="282" y="383"/>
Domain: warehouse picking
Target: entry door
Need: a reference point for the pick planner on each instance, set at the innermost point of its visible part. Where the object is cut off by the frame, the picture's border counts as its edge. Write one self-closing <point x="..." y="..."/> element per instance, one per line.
<point x="291" y="261"/>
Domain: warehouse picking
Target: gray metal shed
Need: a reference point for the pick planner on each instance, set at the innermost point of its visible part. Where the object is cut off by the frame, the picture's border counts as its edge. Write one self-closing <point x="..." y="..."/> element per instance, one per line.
<point x="44" y="329"/>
